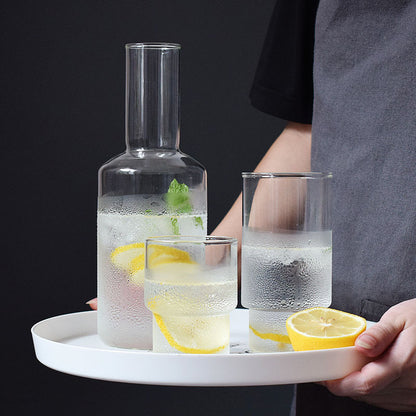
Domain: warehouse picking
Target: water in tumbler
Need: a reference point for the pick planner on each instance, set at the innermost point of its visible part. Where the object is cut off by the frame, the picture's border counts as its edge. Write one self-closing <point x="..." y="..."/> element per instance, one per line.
<point x="123" y="225"/>
<point x="191" y="308"/>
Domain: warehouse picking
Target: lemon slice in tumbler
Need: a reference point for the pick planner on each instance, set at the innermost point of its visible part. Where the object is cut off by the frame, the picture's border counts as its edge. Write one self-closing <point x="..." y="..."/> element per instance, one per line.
<point x="195" y="335"/>
<point x="322" y="328"/>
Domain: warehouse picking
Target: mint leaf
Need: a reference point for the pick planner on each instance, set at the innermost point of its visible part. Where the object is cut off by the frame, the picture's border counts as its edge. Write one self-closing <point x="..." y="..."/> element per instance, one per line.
<point x="177" y="197"/>
<point x="175" y="226"/>
<point x="176" y="187"/>
<point x="198" y="221"/>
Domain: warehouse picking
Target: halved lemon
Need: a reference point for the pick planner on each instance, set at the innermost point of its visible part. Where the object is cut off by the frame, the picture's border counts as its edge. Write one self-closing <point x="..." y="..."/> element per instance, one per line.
<point x="196" y="334"/>
<point x="322" y="328"/>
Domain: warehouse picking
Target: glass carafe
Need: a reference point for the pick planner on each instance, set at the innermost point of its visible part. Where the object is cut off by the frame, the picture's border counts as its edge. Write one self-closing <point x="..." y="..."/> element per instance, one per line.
<point x="152" y="189"/>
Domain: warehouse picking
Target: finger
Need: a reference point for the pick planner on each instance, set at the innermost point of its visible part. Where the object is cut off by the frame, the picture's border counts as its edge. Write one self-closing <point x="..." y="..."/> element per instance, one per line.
<point x="372" y="378"/>
<point x="92" y="303"/>
<point x="376" y="339"/>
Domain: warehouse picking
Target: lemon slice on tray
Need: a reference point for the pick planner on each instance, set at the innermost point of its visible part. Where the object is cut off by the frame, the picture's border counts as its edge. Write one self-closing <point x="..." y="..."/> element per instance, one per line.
<point x="322" y="328"/>
<point x="195" y="335"/>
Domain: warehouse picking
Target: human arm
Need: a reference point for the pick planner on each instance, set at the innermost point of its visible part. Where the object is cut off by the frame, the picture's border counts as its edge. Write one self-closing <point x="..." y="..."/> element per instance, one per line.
<point x="389" y="381"/>
<point x="291" y="152"/>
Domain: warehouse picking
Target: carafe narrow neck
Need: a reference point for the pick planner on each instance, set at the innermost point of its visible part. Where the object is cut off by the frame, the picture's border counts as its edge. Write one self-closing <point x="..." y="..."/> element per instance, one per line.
<point x="152" y="96"/>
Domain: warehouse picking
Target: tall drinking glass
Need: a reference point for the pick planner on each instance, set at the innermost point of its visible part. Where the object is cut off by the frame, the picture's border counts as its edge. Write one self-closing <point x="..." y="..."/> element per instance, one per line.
<point x="191" y="288"/>
<point x="286" y="251"/>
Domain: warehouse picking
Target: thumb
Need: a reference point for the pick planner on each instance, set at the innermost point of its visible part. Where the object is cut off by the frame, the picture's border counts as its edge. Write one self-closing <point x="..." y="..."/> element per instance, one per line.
<point x="92" y="303"/>
<point x="376" y="339"/>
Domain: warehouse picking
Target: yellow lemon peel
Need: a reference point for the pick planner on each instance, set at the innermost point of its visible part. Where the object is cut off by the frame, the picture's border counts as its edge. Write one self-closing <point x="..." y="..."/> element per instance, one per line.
<point x="283" y="339"/>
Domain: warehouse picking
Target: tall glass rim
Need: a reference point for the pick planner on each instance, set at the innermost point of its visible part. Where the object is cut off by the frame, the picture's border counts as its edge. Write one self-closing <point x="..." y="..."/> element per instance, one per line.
<point x="153" y="45"/>
<point x="296" y="175"/>
<point x="192" y="239"/>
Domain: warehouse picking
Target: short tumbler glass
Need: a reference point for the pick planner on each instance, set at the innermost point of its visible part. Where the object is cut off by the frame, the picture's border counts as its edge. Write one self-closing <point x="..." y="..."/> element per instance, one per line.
<point x="191" y="288"/>
<point x="286" y="251"/>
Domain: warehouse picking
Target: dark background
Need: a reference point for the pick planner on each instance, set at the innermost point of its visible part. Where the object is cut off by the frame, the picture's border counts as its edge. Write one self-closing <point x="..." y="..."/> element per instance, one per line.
<point x="62" y="101"/>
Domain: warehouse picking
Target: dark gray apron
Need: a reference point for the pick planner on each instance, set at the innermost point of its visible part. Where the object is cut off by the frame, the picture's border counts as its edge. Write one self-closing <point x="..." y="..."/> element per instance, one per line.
<point x="364" y="131"/>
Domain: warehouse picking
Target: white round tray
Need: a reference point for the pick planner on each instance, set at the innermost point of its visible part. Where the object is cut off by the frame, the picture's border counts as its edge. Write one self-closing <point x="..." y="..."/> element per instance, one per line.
<point x="70" y="344"/>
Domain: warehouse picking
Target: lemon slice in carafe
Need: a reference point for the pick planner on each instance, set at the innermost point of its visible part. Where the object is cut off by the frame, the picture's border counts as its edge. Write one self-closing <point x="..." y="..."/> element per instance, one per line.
<point x="131" y="258"/>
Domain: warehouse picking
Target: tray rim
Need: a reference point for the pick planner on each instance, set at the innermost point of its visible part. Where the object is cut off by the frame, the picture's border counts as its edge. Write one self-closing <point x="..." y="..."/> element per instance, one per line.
<point x="146" y="367"/>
